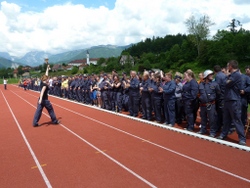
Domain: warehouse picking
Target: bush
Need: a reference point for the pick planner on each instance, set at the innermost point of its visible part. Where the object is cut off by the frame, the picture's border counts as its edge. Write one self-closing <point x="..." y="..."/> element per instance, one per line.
<point x="74" y="70"/>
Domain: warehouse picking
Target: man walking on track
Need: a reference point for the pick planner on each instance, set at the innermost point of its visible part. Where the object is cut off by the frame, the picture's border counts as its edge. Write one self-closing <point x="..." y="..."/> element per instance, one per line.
<point x="44" y="102"/>
<point x="5" y="83"/>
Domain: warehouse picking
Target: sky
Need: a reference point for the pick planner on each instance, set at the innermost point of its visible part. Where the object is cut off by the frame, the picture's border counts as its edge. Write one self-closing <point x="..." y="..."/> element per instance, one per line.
<point x="56" y="26"/>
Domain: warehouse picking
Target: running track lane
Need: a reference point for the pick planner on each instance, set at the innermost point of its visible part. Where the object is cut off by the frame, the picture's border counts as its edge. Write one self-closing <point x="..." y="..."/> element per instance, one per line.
<point x="160" y="168"/>
<point x="69" y="161"/>
<point x="16" y="162"/>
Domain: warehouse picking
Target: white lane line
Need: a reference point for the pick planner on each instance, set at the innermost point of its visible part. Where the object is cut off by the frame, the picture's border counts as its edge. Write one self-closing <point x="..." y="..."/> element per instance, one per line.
<point x="28" y="145"/>
<point x="157" y="145"/>
<point x="97" y="149"/>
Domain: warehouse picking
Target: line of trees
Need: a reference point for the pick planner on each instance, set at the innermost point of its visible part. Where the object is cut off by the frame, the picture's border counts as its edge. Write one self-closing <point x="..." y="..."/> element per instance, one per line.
<point x="197" y="50"/>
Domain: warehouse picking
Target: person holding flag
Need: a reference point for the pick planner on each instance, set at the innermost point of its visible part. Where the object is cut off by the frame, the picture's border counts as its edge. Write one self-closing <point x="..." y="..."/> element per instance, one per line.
<point x="43" y="100"/>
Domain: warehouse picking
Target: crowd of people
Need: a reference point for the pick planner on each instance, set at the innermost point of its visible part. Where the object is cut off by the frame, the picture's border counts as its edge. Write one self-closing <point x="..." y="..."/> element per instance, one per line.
<point x="221" y="94"/>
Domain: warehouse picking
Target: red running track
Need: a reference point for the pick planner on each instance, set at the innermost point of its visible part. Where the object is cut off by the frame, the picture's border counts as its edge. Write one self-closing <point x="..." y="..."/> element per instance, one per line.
<point x="92" y="148"/>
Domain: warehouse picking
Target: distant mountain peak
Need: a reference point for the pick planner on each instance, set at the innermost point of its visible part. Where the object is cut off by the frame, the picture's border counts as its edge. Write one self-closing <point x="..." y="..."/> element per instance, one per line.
<point x="35" y="58"/>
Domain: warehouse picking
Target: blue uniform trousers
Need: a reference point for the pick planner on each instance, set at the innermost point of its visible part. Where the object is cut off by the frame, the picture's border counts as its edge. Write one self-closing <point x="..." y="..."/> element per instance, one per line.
<point x="71" y="94"/>
<point x="75" y="91"/>
<point x="57" y="91"/>
<point x="169" y="111"/>
<point x="158" y="108"/>
<point x="49" y="108"/>
<point x="244" y="106"/>
<point x="189" y="111"/>
<point x="133" y="105"/>
<point x="232" y="115"/>
<point x="220" y="110"/>
<point x="208" y="115"/>
<point x="79" y="95"/>
<point x="125" y="101"/>
<point x="118" y="101"/>
<point x="106" y="100"/>
<point x="178" y="110"/>
<point x="146" y="105"/>
<point x="87" y="97"/>
<point x="112" y="96"/>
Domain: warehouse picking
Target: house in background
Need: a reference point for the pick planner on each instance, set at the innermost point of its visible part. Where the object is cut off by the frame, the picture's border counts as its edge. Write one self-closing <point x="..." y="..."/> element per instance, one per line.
<point x="57" y="67"/>
<point x="26" y="68"/>
<point x="82" y="63"/>
<point x="15" y="72"/>
<point x="78" y="62"/>
<point x="68" y="68"/>
<point x="26" y="74"/>
<point x="127" y="59"/>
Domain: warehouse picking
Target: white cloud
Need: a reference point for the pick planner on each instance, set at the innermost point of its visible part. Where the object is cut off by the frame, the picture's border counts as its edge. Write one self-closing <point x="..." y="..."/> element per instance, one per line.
<point x="67" y="26"/>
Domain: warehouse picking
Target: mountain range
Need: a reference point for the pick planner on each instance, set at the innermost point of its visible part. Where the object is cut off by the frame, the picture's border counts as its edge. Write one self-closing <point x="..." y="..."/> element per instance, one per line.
<point x="36" y="58"/>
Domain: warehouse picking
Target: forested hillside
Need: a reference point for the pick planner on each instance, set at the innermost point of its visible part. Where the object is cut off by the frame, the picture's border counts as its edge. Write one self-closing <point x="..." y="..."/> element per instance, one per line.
<point x="180" y="52"/>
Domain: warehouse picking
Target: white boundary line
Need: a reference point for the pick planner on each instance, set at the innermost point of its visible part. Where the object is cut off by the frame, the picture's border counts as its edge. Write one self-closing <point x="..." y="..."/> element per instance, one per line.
<point x="97" y="149"/>
<point x="28" y="145"/>
<point x="152" y="143"/>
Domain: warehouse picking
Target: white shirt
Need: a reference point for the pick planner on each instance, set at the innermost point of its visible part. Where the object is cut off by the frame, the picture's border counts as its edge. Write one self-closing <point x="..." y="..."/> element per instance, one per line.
<point x="50" y="82"/>
<point x="5" y="81"/>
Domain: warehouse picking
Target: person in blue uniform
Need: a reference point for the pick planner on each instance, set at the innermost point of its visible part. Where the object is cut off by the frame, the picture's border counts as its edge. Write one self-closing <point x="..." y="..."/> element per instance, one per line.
<point x="117" y="92"/>
<point x="134" y="94"/>
<point x="157" y="96"/>
<point x="178" y="102"/>
<point x="209" y="91"/>
<point x="44" y="102"/>
<point x="232" y="105"/>
<point x="146" y="96"/>
<point x="189" y="95"/>
<point x="104" y="86"/>
<point x="220" y="78"/>
<point x="125" y="92"/>
<point x="169" y="98"/>
<point x="72" y="88"/>
<point x="245" y="91"/>
<point x="111" y="92"/>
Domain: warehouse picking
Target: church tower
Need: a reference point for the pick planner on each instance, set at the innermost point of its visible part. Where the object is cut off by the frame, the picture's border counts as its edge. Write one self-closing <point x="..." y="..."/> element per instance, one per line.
<point x="88" y="63"/>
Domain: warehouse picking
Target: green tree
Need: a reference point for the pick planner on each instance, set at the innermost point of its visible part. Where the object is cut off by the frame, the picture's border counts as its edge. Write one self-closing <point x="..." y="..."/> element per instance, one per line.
<point x="233" y="25"/>
<point x="101" y="61"/>
<point x="20" y="70"/>
<point x="199" y="30"/>
<point x="74" y="70"/>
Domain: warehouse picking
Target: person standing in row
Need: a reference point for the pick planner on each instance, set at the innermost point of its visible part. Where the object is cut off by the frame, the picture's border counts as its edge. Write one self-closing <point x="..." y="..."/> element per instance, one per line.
<point x="134" y="94"/>
<point x="146" y="96"/>
<point x="44" y="102"/>
<point x="178" y="102"/>
<point x="220" y="78"/>
<point x="232" y="105"/>
<point x="209" y="93"/>
<point x="169" y="98"/>
<point x="157" y="96"/>
<point x="189" y="95"/>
